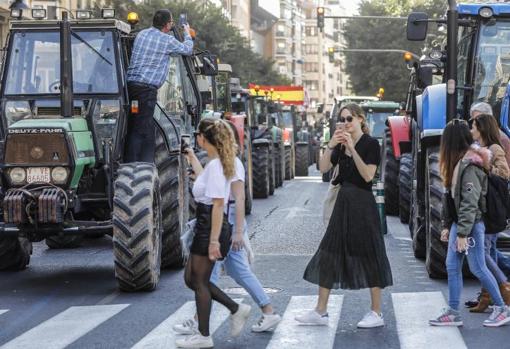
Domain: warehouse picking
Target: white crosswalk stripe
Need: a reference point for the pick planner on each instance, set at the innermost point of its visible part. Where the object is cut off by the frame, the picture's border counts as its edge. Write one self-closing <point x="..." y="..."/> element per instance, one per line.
<point x="65" y="328"/>
<point x="164" y="337"/>
<point x="290" y="335"/>
<point x="412" y="312"/>
<point x="3" y="311"/>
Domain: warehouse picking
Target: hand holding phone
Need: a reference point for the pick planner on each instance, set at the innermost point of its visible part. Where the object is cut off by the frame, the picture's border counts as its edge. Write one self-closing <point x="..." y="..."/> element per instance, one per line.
<point x="185" y="143"/>
<point x="340" y="126"/>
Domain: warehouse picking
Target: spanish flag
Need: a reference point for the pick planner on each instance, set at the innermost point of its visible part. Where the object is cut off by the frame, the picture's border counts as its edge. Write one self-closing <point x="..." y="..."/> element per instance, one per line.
<point x="289" y="95"/>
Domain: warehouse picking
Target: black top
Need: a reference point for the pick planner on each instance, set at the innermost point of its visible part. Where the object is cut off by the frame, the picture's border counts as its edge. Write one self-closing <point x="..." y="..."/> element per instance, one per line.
<point x="370" y="152"/>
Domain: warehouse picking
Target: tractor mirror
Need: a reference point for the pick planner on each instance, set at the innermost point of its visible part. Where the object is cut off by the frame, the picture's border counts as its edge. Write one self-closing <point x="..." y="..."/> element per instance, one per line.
<point x="209" y="65"/>
<point x="417" y="24"/>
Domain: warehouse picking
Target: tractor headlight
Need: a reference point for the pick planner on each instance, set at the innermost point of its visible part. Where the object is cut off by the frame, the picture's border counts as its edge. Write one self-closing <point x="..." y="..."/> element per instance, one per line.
<point x="485" y="12"/>
<point x="59" y="175"/>
<point x="38" y="13"/>
<point x="108" y="13"/>
<point x="17" y="175"/>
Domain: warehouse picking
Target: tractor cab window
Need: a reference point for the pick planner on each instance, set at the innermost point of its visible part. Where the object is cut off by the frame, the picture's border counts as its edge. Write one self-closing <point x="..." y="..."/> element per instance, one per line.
<point x="287" y="119"/>
<point x="377" y="123"/>
<point x="222" y="91"/>
<point x="492" y="64"/>
<point x="170" y="95"/>
<point x="34" y="63"/>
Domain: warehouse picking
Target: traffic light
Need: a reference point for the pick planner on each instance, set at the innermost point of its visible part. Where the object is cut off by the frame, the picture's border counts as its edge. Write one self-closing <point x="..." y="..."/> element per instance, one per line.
<point x="320" y="18"/>
<point x="331" y="54"/>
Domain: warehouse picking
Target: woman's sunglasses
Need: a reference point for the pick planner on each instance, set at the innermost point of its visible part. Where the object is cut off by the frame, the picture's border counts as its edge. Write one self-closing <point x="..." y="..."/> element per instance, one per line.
<point x="347" y="118"/>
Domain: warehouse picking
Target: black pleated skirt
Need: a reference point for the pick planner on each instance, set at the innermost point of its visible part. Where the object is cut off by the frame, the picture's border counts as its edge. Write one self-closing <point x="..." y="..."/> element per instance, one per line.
<point x="352" y="254"/>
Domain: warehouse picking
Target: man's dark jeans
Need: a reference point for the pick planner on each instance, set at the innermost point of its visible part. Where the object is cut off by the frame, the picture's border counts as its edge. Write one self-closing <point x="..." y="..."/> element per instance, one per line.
<point x="141" y="133"/>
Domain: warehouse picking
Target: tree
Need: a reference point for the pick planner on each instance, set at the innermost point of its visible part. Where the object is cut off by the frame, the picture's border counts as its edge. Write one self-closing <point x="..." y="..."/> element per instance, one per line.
<point x="214" y="34"/>
<point x="370" y="71"/>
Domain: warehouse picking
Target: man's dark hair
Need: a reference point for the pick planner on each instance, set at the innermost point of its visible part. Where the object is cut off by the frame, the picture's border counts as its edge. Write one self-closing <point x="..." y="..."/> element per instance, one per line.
<point x="161" y="18"/>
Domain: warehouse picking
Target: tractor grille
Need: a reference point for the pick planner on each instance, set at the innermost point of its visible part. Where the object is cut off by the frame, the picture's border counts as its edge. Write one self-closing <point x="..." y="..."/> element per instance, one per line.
<point x="55" y="111"/>
<point x="37" y="148"/>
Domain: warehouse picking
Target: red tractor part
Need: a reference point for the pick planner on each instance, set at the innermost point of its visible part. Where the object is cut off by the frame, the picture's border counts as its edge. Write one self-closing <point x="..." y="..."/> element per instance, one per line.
<point x="238" y="121"/>
<point x="400" y="132"/>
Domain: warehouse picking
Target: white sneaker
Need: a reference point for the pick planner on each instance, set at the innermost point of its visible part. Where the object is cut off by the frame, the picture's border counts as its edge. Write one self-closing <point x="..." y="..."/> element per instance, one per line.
<point x="238" y="319"/>
<point x="313" y="318"/>
<point x="189" y="326"/>
<point x="371" y="320"/>
<point x="267" y="323"/>
<point x="196" y="341"/>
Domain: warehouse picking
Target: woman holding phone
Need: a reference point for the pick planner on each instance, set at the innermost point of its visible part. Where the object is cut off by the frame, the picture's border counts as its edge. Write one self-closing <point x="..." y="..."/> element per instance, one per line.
<point x="212" y="239"/>
<point x="352" y="253"/>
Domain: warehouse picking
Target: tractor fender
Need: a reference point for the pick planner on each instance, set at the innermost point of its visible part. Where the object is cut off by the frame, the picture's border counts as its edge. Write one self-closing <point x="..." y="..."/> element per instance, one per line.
<point x="261" y="142"/>
<point x="400" y="132"/>
<point x="432" y="118"/>
<point x="238" y="121"/>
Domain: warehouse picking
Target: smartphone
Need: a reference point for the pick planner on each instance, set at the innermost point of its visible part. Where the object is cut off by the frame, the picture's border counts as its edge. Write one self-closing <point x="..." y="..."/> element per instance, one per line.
<point x="183" y="19"/>
<point x="340" y="126"/>
<point x="185" y="142"/>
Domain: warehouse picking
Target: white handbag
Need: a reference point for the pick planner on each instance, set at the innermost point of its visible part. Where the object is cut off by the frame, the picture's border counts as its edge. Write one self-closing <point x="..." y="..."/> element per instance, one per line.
<point x="330" y="199"/>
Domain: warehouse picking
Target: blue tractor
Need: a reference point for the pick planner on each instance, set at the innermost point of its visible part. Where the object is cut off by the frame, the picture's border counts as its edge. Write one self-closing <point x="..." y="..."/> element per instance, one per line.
<point x="477" y="68"/>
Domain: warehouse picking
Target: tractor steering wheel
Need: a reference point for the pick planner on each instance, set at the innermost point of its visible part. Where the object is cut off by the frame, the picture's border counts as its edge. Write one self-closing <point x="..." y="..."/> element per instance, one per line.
<point x="55" y="85"/>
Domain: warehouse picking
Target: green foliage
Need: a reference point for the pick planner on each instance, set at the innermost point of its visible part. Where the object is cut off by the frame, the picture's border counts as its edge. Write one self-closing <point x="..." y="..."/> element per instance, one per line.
<point x="214" y="34"/>
<point x="369" y="71"/>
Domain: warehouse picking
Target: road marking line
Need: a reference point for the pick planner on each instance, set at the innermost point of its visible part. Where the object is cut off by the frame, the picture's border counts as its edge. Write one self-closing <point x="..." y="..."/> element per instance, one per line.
<point x="65" y="328"/>
<point x="413" y="312"/>
<point x="163" y="336"/>
<point x="3" y="311"/>
<point x="289" y="334"/>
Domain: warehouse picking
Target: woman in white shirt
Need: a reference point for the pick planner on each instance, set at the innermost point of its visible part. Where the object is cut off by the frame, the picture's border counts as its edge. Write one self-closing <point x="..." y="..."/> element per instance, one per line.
<point x="212" y="239"/>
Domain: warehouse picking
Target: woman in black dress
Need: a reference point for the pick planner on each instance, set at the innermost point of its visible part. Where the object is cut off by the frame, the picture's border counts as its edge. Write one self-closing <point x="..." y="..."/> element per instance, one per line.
<point x="352" y="253"/>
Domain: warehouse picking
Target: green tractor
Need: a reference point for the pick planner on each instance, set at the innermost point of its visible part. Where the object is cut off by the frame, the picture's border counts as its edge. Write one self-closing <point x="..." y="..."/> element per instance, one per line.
<point x="65" y="106"/>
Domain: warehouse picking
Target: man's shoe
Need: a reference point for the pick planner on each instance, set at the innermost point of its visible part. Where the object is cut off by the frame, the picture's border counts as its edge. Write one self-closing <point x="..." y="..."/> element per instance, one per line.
<point x="449" y="317"/>
<point x="196" y="341"/>
<point x="189" y="326"/>
<point x="499" y="317"/>
<point x="313" y="318"/>
<point x="267" y="323"/>
<point x="238" y="319"/>
<point x="371" y="320"/>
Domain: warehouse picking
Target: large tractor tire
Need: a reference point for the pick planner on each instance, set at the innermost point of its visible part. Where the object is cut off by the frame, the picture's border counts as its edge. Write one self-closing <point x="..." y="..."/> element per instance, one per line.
<point x="248" y="170"/>
<point x="137" y="227"/>
<point x="261" y="176"/>
<point x="405" y="183"/>
<point x="390" y="168"/>
<point x="14" y="253"/>
<point x="416" y="224"/>
<point x="272" y="171"/>
<point x="288" y="162"/>
<point x="302" y="159"/>
<point x="435" y="249"/>
<point x="66" y="241"/>
<point x="278" y="166"/>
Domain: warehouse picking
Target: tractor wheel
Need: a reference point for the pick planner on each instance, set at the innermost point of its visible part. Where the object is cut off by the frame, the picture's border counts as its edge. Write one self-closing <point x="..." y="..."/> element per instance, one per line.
<point x="14" y="253"/>
<point x="389" y="175"/>
<point x="137" y="227"/>
<point x="302" y="160"/>
<point x="66" y="241"/>
<point x="248" y="171"/>
<point x="435" y="249"/>
<point x="416" y="226"/>
<point x="288" y="159"/>
<point x="405" y="182"/>
<point x="248" y="197"/>
<point x="261" y="177"/>
<point x="278" y="167"/>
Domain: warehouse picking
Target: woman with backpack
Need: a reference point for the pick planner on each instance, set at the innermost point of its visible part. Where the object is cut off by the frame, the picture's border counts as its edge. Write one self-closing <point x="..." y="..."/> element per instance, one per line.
<point x="485" y="132"/>
<point x="463" y="167"/>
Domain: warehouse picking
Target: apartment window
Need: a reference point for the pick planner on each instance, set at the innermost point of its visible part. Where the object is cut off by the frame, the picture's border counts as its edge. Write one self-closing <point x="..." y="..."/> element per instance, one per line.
<point x="311" y="67"/>
<point x="280" y="30"/>
<point x="312" y="85"/>
<point x="311" y="49"/>
<point x="280" y="48"/>
<point x="311" y="31"/>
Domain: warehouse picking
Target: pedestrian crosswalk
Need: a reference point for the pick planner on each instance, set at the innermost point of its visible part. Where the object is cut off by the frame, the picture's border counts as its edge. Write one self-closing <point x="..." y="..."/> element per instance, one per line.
<point x="412" y="311"/>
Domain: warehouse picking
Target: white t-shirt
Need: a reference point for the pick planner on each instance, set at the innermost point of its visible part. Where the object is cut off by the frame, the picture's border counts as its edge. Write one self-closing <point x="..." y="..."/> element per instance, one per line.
<point x="211" y="184"/>
<point x="239" y="176"/>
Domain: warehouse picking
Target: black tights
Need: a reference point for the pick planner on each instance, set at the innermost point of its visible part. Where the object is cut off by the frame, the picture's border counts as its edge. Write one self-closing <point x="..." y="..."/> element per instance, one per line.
<point x="196" y="276"/>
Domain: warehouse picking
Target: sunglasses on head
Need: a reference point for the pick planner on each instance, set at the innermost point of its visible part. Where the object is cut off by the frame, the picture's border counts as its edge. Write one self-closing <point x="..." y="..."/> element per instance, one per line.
<point x="459" y="121"/>
<point x="347" y="118"/>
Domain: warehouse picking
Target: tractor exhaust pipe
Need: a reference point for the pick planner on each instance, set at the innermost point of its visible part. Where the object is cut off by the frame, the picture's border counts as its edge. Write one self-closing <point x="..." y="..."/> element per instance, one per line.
<point x="451" y="66"/>
<point x="66" y="68"/>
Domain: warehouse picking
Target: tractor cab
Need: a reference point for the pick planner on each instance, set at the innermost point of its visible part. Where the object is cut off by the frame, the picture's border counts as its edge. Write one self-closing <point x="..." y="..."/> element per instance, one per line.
<point x="377" y="112"/>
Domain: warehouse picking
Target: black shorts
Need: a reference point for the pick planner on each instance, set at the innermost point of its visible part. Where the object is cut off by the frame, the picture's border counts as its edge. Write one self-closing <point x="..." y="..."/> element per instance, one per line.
<point x="200" y="244"/>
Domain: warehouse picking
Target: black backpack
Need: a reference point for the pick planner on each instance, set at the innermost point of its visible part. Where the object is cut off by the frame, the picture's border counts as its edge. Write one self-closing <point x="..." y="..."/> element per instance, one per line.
<point x="497" y="213"/>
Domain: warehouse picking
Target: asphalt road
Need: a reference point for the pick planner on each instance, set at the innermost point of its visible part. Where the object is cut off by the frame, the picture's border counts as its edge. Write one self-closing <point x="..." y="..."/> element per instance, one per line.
<point x="68" y="298"/>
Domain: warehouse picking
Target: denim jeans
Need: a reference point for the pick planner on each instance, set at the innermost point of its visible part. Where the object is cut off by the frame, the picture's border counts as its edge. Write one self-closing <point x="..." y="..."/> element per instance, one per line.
<point x="238" y="268"/>
<point x="491" y="258"/>
<point x="503" y="263"/>
<point x="476" y="261"/>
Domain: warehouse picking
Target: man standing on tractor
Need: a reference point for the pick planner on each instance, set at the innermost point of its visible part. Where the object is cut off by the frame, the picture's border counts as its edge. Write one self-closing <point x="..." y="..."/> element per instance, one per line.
<point x="146" y="74"/>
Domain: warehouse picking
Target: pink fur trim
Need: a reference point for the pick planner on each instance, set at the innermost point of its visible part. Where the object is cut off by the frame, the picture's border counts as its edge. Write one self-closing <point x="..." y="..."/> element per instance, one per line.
<point x="478" y="156"/>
